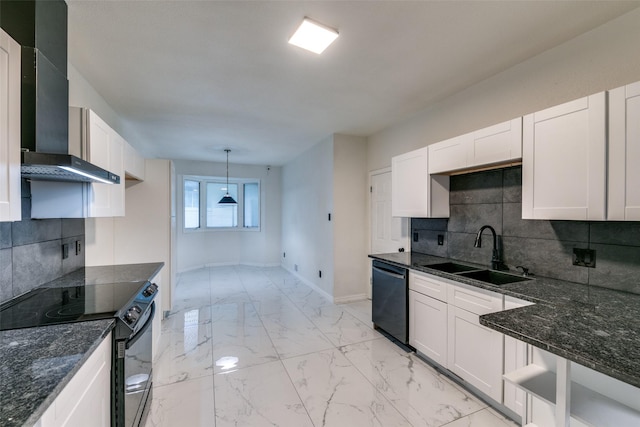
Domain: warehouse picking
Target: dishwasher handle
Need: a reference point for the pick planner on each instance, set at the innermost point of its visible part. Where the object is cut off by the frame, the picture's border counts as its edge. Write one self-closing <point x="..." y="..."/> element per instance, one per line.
<point x="390" y="273"/>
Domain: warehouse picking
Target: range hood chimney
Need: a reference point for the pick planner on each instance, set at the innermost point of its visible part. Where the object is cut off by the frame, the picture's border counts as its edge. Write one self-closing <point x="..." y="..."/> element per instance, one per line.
<point x="40" y="26"/>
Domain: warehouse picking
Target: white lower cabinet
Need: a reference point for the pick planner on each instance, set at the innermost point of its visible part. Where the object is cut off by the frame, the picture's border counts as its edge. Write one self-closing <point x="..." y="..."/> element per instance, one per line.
<point x="444" y="326"/>
<point x="475" y="352"/>
<point x="86" y="399"/>
<point x="428" y="326"/>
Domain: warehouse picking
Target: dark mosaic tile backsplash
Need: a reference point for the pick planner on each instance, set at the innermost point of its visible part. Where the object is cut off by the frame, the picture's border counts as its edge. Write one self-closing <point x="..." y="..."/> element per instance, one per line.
<point x="31" y="250"/>
<point x="545" y="247"/>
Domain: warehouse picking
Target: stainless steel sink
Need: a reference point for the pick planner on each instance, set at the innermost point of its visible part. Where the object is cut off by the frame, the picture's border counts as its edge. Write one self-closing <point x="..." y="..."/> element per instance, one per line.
<point x="450" y="267"/>
<point x="493" y="277"/>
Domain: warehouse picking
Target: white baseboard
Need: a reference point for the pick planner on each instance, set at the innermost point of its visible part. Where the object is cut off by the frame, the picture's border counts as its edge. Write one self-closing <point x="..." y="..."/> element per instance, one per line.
<point x="227" y="264"/>
<point x="310" y="284"/>
<point x="350" y="298"/>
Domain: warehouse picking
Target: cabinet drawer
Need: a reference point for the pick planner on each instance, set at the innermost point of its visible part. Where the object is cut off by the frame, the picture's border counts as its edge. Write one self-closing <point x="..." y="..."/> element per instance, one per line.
<point x="427" y="285"/>
<point x="474" y="300"/>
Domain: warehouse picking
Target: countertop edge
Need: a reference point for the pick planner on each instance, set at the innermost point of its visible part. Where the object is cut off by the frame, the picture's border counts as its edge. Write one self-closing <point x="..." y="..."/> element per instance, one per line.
<point x="557" y="351"/>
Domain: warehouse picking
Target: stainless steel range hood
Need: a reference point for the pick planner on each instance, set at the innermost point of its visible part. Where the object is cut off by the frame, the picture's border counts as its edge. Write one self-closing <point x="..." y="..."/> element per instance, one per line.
<point x="40" y="26"/>
<point x="63" y="167"/>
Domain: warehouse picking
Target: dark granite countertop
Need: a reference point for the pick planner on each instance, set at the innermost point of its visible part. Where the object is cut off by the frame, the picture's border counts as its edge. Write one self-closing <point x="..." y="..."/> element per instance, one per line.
<point x="107" y="274"/>
<point x="595" y="327"/>
<point x="37" y="363"/>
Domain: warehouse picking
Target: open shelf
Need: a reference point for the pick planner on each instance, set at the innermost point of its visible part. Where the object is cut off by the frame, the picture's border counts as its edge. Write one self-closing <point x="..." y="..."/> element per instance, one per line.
<point x="587" y="406"/>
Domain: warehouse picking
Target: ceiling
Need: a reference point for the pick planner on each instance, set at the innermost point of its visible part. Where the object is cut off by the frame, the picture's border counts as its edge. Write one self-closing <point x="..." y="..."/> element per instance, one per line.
<point x="190" y="78"/>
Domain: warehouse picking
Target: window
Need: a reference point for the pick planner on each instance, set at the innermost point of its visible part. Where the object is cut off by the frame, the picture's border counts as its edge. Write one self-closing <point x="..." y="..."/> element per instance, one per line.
<point x="221" y="215"/>
<point x="191" y="204"/>
<point x="252" y="205"/>
<point x="207" y="191"/>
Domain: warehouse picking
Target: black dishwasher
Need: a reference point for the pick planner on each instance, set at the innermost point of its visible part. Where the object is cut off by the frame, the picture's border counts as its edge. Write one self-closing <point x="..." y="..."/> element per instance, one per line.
<point x="390" y="300"/>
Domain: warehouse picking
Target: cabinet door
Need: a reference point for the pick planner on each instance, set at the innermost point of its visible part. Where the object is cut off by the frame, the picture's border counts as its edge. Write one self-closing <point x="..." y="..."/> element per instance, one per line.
<point x="10" y="203"/>
<point x="414" y="194"/>
<point x="450" y="155"/>
<point x="428" y="327"/>
<point x="564" y="161"/>
<point x="105" y="149"/>
<point x="497" y="144"/>
<point x="133" y="163"/>
<point x="475" y="353"/>
<point x="624" y="154"/>
<point x="86" y="399"/>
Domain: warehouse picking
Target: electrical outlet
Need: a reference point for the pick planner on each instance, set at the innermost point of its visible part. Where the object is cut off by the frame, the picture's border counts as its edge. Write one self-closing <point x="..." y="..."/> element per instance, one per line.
<point x="65" y="251"/>
<point x="584" y="257"/>
<point x="415" y="237"/>
<point x="440" y="239"/>
<point x="78" y="247"/>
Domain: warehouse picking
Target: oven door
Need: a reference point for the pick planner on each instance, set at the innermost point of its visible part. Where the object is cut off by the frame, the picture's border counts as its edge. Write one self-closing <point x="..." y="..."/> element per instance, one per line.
<point x="134" y="381"/>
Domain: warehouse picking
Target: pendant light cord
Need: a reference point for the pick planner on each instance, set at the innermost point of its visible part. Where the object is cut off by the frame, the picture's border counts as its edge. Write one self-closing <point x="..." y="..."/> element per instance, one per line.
<point x="227" y="151"/>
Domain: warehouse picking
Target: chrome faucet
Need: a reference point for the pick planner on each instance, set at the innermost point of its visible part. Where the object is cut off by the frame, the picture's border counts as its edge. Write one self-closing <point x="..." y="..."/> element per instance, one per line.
<point x="496" y="263"/>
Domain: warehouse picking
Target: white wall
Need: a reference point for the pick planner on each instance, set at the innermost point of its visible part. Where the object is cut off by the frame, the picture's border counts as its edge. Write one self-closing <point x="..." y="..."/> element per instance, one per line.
<point x="196" y="249"/>
<point x="82" y="94"/>
<point x="601" y="59"/>
<point x="329" y="178"/>
<point x="307" y="199"/>
<point x="350" y="184"/>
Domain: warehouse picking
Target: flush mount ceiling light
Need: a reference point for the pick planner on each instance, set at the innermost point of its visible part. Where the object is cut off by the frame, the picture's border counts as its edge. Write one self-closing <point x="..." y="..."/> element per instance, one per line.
<point x="313" y="36"/>
<point x="227" y="199"/>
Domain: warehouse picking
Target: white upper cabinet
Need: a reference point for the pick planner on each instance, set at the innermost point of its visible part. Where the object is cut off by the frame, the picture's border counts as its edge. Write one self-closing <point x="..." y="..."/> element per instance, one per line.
<point x="105" y="148"/>
<point x="91" y="139"/>
<point x="564" y="161"/>
<point x="450" y="155"/>
<point x="133" y="163"/>
<point x="624" y="154"/>
<point x="494" y="145"/>
<point x="497" y="144"/>
<point x="414" y="193"/>
<point x="10" y="204"/>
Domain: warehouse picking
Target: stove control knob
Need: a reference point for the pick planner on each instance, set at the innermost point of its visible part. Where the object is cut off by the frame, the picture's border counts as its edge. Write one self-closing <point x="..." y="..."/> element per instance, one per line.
<point x="129" y="317"/>
<point x="150" y="290"/>
<point x="132" y="314"/>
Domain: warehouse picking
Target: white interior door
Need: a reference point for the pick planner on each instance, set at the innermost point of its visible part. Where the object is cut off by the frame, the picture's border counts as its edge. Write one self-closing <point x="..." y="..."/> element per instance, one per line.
<point x="388" y="234"/>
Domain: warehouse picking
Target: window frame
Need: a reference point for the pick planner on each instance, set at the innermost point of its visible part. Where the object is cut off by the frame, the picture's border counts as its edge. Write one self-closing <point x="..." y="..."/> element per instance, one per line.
<point x="202" y="214"/>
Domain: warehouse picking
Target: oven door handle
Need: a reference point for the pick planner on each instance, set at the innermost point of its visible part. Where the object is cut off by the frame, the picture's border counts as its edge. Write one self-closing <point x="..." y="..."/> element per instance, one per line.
<point x="131" y="341"/>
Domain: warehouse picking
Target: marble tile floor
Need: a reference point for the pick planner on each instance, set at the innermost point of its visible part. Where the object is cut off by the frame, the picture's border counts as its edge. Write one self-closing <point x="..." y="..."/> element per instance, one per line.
<point x="248" y="346"/>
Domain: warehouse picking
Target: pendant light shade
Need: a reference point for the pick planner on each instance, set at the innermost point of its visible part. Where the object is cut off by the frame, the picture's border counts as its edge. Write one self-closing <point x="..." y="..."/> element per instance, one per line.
<point x="227" y="199"/>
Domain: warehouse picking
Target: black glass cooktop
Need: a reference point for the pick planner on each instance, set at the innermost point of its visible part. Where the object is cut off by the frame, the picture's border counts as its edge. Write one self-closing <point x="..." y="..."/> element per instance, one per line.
<point x="49" y="306"/>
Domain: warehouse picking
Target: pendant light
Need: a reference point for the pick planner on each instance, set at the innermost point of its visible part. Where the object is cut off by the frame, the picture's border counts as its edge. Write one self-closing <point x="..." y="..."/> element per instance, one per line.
<point x="227" y="199"/>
